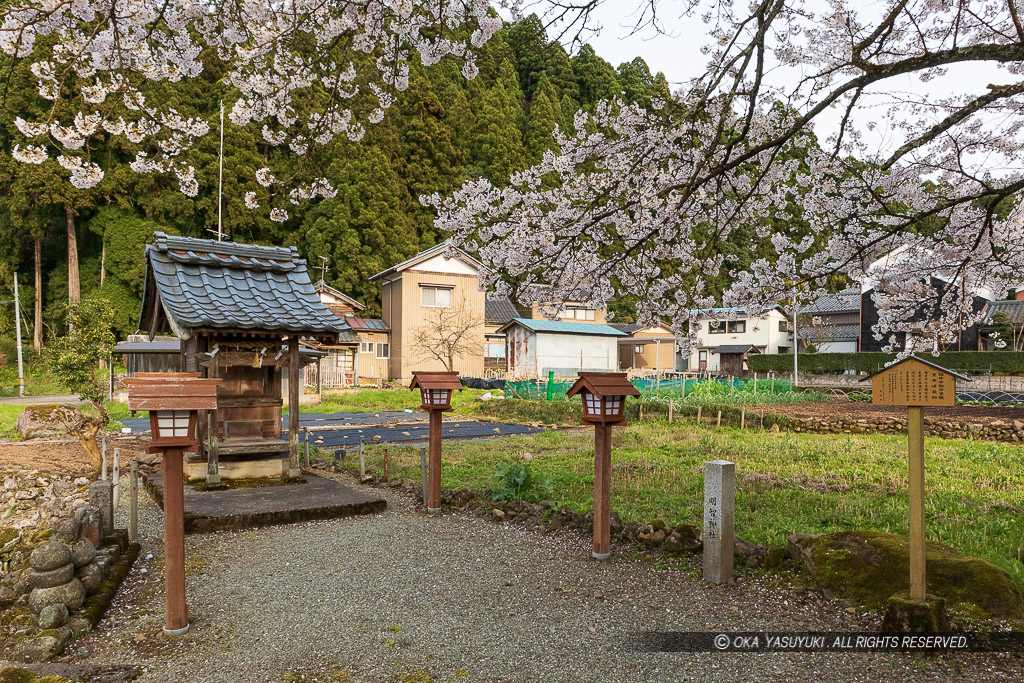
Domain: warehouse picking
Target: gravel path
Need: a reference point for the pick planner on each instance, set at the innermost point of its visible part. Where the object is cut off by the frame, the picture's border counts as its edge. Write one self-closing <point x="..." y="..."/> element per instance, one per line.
<point x="401" y="596"/>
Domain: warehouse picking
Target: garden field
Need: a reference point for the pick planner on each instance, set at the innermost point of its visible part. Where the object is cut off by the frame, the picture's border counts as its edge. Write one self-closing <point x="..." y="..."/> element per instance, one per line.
<point x="786" y="483"/>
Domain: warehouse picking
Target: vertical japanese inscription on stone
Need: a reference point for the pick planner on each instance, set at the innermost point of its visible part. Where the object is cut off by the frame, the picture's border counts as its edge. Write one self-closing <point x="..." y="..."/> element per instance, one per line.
<point x="719" y="503"/>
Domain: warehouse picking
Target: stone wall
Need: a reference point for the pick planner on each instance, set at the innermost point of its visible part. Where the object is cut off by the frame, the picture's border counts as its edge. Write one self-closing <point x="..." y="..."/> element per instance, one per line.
<point x="998" y="430"/>
<point x="60" y="562"/>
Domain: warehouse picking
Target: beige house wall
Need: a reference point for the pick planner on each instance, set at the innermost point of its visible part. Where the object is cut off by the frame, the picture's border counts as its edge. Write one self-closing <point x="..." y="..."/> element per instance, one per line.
<point x="537" y="312"/>
<point x="656" y="355"/>
<point x="369" y="368"/>
<point x="405" y="314"/>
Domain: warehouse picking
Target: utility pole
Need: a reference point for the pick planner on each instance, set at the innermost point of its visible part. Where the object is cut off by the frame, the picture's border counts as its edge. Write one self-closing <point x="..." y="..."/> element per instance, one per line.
<point x="17" y="327"/>
<point x="796" y="341"/>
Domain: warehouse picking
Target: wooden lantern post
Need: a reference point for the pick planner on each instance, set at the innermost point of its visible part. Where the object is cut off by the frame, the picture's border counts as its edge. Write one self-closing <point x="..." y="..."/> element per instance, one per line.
<point x="915" y="383"/>
<point x="173" y="400"/>
<point x="604" y="401"/>
<point x="436" y="397"/>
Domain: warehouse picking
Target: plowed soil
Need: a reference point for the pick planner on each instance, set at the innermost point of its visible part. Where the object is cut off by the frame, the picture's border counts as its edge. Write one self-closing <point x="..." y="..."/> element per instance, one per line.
<point x="64" y="457"/>
<point x="862" y="410"/>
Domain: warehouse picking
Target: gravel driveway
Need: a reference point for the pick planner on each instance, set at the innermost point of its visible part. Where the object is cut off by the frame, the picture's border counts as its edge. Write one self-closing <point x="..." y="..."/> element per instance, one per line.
<point x="401" y="596"/>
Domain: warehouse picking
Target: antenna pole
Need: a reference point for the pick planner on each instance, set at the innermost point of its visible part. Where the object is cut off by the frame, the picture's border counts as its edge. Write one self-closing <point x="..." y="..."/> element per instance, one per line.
<point x="220" y="178"/>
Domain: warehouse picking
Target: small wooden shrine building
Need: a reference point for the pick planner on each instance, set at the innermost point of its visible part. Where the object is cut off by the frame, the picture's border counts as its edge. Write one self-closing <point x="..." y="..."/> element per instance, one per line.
<point x="240" y="311"/>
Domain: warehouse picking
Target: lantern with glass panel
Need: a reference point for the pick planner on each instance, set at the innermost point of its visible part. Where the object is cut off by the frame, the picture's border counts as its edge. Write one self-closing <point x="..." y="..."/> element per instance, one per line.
<point x="436" y="389"/>
<point x="173" y="400"/>
<point x="604" y="396"/>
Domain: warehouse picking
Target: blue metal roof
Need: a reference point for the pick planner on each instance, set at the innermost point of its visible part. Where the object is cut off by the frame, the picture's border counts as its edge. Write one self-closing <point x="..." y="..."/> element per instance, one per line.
<point x="565" y="327"/>
<point x="230" y="286"/>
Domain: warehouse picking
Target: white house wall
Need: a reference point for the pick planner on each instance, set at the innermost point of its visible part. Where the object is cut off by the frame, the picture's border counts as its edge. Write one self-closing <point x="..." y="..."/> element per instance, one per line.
<point x="838" y="347"/>
<point x="575" y="352"/>
<point x="762" y="332"/>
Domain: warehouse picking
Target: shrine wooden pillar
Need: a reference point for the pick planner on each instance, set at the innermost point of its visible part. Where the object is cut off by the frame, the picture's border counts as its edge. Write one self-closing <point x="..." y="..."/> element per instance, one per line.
<point x="294" y="378"/>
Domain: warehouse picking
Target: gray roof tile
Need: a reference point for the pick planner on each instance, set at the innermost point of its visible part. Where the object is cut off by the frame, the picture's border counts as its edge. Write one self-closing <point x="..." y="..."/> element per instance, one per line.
<point x="499" y="311"/>
<point x="845" y="301"/>
<point x="1012" y="309"/>
<point x="204" y="283"/>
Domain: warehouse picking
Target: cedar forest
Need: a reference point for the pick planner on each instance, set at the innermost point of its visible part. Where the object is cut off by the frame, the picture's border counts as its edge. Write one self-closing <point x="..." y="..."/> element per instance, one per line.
<point x="442" y="130"/>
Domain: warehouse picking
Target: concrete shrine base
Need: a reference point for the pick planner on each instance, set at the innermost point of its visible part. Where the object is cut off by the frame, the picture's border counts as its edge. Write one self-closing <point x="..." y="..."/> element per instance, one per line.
<point x="283" y="502"/>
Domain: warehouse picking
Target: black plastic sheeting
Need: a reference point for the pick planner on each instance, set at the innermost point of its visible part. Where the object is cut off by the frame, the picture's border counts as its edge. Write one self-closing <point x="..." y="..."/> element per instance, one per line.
<point x="411" y="433"/>
<point x="479" y="383"/>
<point x="390" y="426"/>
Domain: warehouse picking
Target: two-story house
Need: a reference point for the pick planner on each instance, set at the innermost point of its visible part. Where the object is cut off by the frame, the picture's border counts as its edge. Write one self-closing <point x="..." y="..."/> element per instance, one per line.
<point x="436" y="313"/>
<point x="729" y="331"/>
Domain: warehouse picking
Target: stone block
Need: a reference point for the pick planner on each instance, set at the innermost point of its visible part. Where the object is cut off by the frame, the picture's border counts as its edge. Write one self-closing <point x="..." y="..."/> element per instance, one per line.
<point x="903" y="615"/>
<point x="719" y="505"/>
<point x="51" y="578"/>
<point x="101" y="495"/>
<point x="70" y="594"/>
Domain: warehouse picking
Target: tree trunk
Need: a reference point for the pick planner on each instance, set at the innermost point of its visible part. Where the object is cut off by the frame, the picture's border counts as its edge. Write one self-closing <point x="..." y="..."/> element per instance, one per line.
<point x="37" y="333"/>
<point x="74" y="287"/>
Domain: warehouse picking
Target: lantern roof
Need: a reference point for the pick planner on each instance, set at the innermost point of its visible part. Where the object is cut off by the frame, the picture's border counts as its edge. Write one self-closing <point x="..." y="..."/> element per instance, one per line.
<point x="436" y="380"/>
<point x="172" y="391"/>
<point x="603" y="384"/>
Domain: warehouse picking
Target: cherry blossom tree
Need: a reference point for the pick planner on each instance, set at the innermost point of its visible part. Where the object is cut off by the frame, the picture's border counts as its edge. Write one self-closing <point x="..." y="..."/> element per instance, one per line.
<point x="303" y="71"/>
<point x="644" y="199"/>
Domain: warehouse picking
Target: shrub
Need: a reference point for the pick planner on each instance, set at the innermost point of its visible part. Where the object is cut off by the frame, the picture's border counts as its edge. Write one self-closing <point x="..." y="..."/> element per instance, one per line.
<point x="519" y="481"/>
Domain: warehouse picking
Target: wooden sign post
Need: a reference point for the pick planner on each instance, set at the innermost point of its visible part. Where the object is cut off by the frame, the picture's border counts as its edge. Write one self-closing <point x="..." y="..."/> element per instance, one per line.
<point x="436" y="395"/>
<point x="173" y="400"/>
<point x="915" y="383"/>
<point x="604" y="402"/>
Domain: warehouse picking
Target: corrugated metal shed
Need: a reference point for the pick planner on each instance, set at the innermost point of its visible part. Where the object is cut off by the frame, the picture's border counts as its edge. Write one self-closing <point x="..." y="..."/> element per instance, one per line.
<point x="229" y="286"/>
<point x="564" y="327"/>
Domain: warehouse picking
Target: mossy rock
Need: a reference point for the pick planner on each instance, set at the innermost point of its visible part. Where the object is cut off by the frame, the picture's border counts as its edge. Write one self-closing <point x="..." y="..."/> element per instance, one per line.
<point x="7" y="534"/>
<point x="868" y="567"/>
<point x="13" y="674"/>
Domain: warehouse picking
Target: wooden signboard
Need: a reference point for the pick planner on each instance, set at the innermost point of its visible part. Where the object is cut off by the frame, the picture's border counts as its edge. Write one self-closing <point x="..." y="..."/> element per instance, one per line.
<point x="915" y="383"/>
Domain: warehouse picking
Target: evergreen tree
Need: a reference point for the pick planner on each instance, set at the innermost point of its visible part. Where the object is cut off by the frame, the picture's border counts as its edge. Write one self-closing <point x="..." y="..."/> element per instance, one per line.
<point x="545" y="115"/>
<point x="595" y="78"/>
<point x="364" y="229"/>
<point x="639" y="86"/>
<point x="496" y="149"/>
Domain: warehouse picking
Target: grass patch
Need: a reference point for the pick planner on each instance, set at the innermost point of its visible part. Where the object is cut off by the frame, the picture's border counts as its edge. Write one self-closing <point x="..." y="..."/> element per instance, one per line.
<point x="787" y="483"/>
<point x="376" y="400"/>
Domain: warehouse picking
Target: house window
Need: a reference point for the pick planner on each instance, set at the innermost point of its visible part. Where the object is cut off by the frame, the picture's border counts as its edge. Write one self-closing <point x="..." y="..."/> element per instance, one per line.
<point x="365" y="347"/>
<point x="783" y="326"/>
<point x="383" y="350"/>
<point x="639" y="348"/>
<point x="436" y="297"/>
<point x="579" y="313"/>
<point x="737" y="326"/>
<point x="716" y="327"/>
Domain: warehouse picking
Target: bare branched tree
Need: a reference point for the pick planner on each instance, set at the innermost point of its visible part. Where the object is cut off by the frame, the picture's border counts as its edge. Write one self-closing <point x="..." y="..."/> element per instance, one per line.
<point x="450" y="333"/>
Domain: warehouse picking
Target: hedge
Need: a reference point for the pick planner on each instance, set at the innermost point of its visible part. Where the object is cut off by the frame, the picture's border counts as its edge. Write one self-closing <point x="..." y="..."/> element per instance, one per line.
<point x="975" y="362"/>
